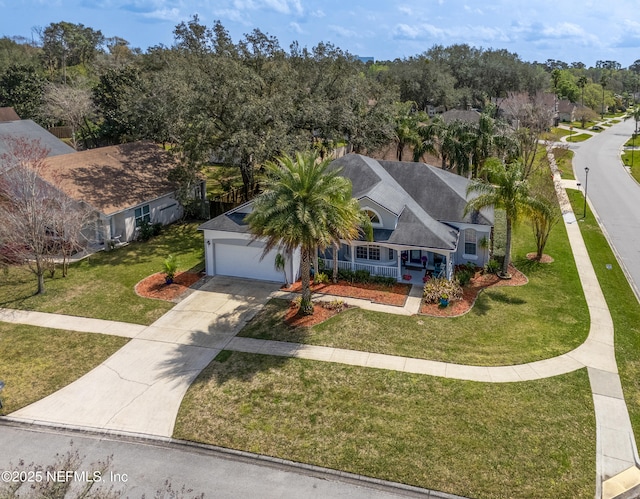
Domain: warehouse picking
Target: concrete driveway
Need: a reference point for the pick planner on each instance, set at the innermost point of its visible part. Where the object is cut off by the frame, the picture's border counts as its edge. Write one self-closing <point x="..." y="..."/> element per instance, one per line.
<point x="139" y="389"/>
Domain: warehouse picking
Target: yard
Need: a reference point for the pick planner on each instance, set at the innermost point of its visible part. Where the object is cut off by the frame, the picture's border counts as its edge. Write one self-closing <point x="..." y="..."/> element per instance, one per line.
<point x="518" y="440"/>
<point x="507" y="325"/>
<point x="102" y="286"/>
<point x="38" y="361"/>
<point x="455" y="436"/>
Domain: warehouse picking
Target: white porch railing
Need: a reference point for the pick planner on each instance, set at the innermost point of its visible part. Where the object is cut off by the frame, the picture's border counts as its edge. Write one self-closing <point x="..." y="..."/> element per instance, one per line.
<point x="383" y="270"/>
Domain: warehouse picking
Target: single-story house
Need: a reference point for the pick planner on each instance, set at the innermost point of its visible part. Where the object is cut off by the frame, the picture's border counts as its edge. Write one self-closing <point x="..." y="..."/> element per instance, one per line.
<point x="125" y="185"/>
<point x="417" y="213"/>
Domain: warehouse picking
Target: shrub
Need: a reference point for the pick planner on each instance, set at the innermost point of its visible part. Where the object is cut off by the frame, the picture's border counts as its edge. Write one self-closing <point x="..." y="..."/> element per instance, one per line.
<point x="492" y="267"/>
<point x="361" y="276"/>
<point x="345" y="275"/>
<point x="464" y="277"/>
<point x="170" y="266"/>
<point x="337" y="305"/>
<point x="147" y="230"/>
<point x="436" y="288"/>
<point x="321" y="278"/>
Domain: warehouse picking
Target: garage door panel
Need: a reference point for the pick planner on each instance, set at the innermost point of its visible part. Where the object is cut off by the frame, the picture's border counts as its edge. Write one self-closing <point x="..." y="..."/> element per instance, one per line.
<point x="244" y="261"/>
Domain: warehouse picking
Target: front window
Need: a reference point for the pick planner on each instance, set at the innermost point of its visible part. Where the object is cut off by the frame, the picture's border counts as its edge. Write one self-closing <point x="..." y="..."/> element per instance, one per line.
<point x="142" y="214"/>
<point x="368" y="252"/>
<point x="373" y="216"/>
<point x="470" y="242"/>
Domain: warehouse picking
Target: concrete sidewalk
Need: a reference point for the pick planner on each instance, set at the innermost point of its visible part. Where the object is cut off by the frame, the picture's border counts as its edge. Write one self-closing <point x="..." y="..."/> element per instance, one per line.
<point x="139" y="389"/>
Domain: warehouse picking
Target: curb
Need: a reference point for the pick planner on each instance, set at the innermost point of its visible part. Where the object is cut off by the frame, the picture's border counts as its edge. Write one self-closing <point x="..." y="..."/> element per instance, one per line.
<point x="235" y="455"/>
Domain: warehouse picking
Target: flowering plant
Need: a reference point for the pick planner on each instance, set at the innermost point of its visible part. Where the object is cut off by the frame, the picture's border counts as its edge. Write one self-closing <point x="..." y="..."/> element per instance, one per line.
<point x="407" y="277"/>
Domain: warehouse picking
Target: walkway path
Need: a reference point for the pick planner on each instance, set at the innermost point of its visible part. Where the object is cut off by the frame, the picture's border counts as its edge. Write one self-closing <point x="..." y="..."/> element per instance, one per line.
<point x="139" y="389"/>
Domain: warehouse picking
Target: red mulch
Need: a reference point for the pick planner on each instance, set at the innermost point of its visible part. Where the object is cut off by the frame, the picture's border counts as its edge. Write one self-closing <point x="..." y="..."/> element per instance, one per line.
<point x="377" y="293"/>
<point x="320" y="314"/>
<point x="471" y="291"/>
<point x="544" y="259"/>
<point x="154" y="286"/>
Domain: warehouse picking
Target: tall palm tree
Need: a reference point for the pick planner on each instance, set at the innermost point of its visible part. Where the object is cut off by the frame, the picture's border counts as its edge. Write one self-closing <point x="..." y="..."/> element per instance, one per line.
<point x="582" y="82"/>
<point x="304" y="205"/>
<point x="507" y="189"/>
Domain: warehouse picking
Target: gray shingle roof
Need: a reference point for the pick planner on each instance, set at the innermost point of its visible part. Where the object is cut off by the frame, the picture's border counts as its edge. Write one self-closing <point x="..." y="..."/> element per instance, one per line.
<point x="30" y="130"/>
<point x="425" y="198"/>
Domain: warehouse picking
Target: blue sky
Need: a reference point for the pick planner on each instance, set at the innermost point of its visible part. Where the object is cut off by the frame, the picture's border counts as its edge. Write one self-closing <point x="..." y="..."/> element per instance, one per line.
<point x="584" y="31"/>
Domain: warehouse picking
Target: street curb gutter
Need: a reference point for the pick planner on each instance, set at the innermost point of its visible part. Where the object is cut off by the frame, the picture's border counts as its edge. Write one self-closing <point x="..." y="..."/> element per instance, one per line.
<point x="235" y="455"/>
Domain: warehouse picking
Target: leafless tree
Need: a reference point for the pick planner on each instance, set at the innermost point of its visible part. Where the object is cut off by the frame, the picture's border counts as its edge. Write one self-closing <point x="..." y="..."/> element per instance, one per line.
<point x="35" y="217"/>
<point x="530" y="116"/>
<point x="71" y="105"/>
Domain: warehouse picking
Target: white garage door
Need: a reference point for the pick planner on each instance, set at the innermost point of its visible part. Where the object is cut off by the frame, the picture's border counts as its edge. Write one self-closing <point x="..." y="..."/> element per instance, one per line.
<point x="244" y="261"/>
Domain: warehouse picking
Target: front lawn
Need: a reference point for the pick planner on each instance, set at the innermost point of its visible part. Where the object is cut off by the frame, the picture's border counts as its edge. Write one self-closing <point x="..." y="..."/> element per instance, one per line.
<point x="38" y="361"/>
<point x="102" y="286"/>
<point x="581" y="137"/>
<point x="507" y="325"/>
<point x="518" y="440"/>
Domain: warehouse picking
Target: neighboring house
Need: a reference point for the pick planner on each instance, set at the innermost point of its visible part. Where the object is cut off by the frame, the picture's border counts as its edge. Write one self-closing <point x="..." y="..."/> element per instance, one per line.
<point x="566" y="111"/>
<point x="125" y="185"/>
<point x="8" y="114"/>
<point x="470" y="116"/>
<point x="30" y="130"/>
<point x="417" y="211"/>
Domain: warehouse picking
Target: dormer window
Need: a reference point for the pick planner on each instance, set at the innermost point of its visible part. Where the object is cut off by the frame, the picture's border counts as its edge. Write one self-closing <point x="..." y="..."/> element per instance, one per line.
<point x="374" y="217"/>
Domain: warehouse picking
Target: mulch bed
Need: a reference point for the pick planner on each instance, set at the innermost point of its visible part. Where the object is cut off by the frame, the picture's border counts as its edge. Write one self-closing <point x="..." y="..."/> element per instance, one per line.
<point x="320" y="314"/>
<point x="154" y="286"/>
<point x="377" y="293"/>
<point x="544" y="259"/>
<point x="471" y="291"/>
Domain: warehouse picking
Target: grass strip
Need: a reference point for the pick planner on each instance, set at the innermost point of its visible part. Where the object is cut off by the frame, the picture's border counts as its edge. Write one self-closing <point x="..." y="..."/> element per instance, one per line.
<point x="623" y="305"/>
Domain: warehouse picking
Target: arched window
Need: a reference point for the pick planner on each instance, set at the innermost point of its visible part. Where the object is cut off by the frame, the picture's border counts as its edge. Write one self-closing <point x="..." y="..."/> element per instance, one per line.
<point x="373" y="216"/>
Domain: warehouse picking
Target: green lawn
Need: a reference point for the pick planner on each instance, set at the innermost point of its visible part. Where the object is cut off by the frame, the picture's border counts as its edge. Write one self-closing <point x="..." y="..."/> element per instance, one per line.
<point x="623" y="305"/>
<point x="508" y="325"/>
<point x="102" y="286"/>
<point x="517" y="440"/>
<point x="564" y="158"/>
<point x="579" y="138"/>
<point x="632" y="160"/>
<point x="38" y="361"/>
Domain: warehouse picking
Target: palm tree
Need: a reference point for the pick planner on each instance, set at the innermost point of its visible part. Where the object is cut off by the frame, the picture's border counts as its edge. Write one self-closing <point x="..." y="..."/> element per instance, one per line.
<point x="582" y="82"/>
<point x="406" y="127"/>
<point x="505" y="189"/>
<point x="304" y="205"/>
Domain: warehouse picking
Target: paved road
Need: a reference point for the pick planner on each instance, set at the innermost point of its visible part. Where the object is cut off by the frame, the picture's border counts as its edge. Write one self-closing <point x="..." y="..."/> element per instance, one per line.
<point x="147" y="464"/>
<point x="613" y="192"/>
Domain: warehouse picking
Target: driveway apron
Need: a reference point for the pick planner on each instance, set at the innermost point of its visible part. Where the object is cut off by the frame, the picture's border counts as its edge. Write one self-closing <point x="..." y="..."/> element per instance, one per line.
<point x="139" y="389"/>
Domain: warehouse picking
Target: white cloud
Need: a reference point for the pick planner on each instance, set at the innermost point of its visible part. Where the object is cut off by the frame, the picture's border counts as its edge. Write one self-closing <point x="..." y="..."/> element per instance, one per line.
<point x="280" y="6"/>
<point x="472" y="10"/>
<point x="232" y="15"/>
<point x="318" y="13"/>
<point x="342" y="31"/>
<point x="405" y="10"/>
<point x="172" y="15"/>
<point x="295" y="27"/>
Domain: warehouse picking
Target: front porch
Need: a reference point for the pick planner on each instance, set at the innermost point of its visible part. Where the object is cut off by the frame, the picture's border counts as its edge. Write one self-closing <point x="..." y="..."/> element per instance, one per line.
<point x="390" y="262"/>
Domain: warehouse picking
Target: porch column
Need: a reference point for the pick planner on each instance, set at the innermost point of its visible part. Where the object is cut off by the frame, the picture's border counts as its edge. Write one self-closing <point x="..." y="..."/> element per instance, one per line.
<point x="353" y="254"/>
<point x="399" y="260"/>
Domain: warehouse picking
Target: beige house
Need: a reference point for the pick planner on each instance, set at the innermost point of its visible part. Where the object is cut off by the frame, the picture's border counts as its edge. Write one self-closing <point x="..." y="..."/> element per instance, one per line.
<point x="125" y="185"/>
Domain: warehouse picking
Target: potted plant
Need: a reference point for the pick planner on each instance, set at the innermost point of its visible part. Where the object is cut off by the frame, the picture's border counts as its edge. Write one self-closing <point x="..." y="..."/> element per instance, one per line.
<point x="404" y="256"/>
<point x="170" y="265"/>
<point x="424" y="261"/>
<point x="444" y="300"/>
